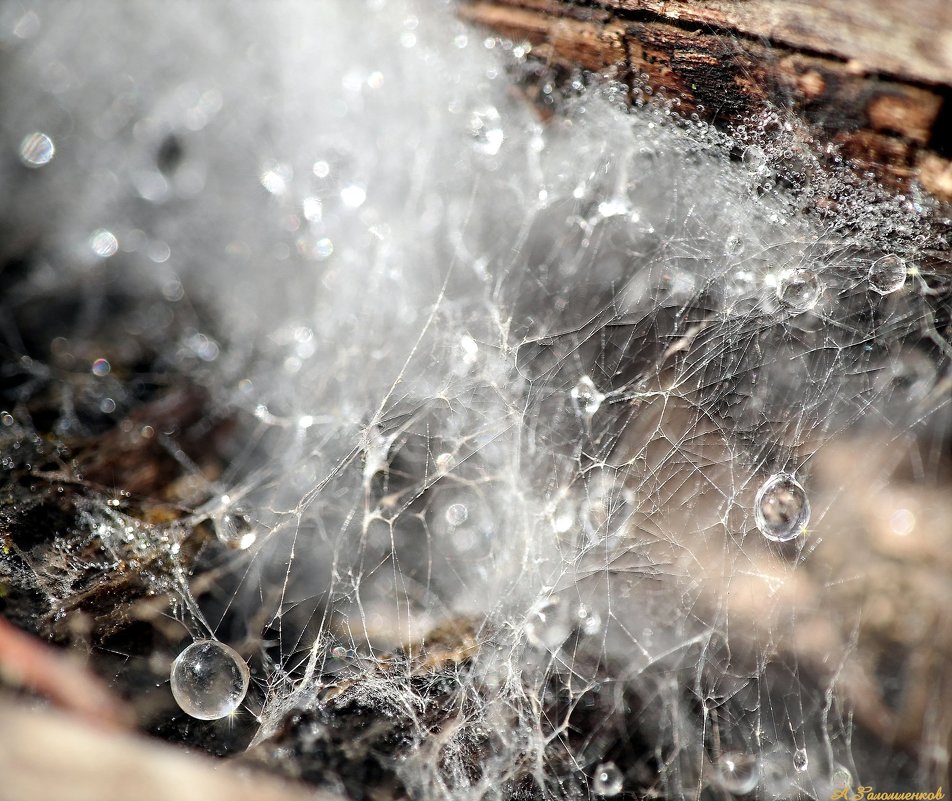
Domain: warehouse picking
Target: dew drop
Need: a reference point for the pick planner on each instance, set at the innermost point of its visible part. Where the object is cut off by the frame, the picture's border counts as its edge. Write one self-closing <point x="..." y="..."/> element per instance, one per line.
<point x="800" y="760"/>
<point x="353" y="196"/>
<point x="234" y="531"/>
<point x="104" y="243"/>
<point x="907" y="378"/>
<point x="840" y="778"/>
<point x="733" y="245"/>
<point x="456" y="514"/>
<point x="586" y="397"/>
<point x="485" y="127"/>
<point x="323" y="249"/>
<point x="589" y="620"/>
<point x="781" y="508"/>
<point x="738" y="773"/>
<point x="799" y="289"/>
<point x="445" y="462"/>
<point x="209" y="680"/>
<point x="564" y="513"/>
<point x="608" y="779"/>
<point x="754" y="157"/>
<point x="276" y="177"/>
<point x="887" y="275"/>
<point x="37" y="150"/>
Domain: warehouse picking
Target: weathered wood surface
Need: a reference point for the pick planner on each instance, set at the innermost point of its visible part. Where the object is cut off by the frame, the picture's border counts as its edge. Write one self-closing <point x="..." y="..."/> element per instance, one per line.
<point x="48" y="756"/>
<point x="872" y="77"/>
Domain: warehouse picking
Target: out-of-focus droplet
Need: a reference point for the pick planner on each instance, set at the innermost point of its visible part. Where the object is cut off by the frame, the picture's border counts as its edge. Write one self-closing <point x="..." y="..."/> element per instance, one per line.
<point x="485" y="127"/>
<point x="733" y="245"/>
<point x="456" y="514"/>
<point x="586" y="397"/>
<point x="312" y="208"/>
<point x="907" y="378"/>
<point x="781" y="508"/>
<point x="353" y="196"/>
<point x="276" y="177"/>
<point x="738" y="773"/>
<point x="27" y="26"/>
<point x="590" y="621"/>
<point x="209" y="680"/>
<point x="799" y="289"/>
<point x="887" y="275"/>
<point x="840" y="778"/>
<point x="547" y="624"/>
<point x="104" y="243"/>
<point x="608" y="779"/>
<point x="37" y="150"/>
<point x="564" y="514"/>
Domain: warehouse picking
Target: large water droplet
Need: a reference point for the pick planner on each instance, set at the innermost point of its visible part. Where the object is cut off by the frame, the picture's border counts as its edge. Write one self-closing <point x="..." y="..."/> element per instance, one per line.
<point x="781" y="508"/>
<point x="586" y="396"/>
<point x="485" y="126"/>
<point x="36" y="149"/>
<point x="209" y="680"/>
<point x="738" y="773"/>
<point x="608" y="779"/>
<point x="887" y="275"/>
<point x="798" y="289"/>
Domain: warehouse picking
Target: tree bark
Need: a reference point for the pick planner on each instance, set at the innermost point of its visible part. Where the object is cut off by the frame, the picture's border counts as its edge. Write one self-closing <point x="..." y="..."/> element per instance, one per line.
<point x="873" y="78"/>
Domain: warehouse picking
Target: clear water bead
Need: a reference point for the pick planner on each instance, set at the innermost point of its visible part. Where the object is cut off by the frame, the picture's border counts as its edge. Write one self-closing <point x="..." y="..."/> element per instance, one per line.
<point x="209" y="680"/>
<point x="798" y="289"/>
<point x="234" y="531"/>
<point x="608" y="779"/>
<point x="887" y="275"/>
<point x="781" y="508"/>
<point x="738" y="773"/>
<point x="800" y="760"/>
<point x="36" y="150"/>
<point x="754" y="157"/>
<point x="485" y="126"/>
<point x="586" y="396"/>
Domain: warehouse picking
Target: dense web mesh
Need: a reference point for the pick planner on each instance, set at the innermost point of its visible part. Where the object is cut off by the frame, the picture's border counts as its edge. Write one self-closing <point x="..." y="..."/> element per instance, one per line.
<point x="496" y="398"/>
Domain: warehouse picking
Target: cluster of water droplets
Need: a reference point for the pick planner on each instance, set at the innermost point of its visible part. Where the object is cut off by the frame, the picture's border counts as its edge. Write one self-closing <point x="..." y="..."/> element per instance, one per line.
<point x="544" y="376"/>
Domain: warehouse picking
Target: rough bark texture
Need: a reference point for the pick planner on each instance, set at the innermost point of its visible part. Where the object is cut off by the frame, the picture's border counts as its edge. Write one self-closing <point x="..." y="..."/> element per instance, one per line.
<point x="873" y="77"/>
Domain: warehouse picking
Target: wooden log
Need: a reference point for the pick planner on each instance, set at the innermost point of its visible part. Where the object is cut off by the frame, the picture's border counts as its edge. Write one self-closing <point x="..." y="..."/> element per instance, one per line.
<point x="873" y="78"/>
<point x="48" y="756"/>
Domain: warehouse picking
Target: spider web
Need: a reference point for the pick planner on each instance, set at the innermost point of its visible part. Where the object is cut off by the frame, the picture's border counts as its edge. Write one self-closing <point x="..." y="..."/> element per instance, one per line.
<point x="522" y="379"/>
